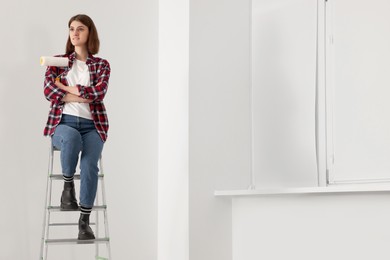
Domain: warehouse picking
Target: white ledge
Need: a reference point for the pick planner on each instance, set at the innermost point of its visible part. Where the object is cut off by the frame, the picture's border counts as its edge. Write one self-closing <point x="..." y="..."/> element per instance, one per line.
<point x="307" y="190"/>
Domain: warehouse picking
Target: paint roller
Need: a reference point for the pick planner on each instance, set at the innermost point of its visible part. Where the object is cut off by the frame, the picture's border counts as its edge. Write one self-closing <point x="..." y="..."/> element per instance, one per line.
<point x="54" y="61"/>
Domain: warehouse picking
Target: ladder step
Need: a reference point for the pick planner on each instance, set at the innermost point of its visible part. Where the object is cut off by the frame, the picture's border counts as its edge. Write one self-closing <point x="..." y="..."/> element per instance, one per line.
<point x="67" y="224"/>
<point x="101" y="258"/>
<point x="76" y="176"/>
<point x="58" y="208"/>
<point x="72" y="241"/>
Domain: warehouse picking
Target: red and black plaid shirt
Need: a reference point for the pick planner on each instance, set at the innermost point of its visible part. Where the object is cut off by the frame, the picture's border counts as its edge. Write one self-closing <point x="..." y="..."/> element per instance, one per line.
<point x="99" y="71"/>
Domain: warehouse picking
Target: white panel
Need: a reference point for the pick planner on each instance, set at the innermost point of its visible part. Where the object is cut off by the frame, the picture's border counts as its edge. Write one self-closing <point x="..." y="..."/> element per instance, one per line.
<point x="312" y="227"/>
<point x="173" y="147"/>
<point x="284" y="83"/>
<point x="360" y="85"/>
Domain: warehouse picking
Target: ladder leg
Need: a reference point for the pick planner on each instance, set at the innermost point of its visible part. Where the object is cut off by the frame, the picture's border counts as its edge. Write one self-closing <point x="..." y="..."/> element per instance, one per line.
<point x="46" y="215"/>
<point x="106" y="229"/>
<point x="97" y="223"/>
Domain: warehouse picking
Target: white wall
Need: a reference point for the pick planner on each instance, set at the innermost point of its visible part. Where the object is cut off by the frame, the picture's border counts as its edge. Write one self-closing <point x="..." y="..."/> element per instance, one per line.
<point x="219" y="120"/>
<point x="284" y="37"/>
<point x="129" y="40"/>
<point x="306" y="227"/>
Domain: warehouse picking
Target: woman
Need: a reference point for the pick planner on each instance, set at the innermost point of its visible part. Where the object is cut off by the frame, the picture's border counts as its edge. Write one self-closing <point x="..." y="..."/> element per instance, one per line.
<point x="77" y="119"/>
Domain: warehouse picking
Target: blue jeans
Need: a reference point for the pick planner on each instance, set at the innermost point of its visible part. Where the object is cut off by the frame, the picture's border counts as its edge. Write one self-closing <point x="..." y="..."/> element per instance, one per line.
<point x="72" y="136"/>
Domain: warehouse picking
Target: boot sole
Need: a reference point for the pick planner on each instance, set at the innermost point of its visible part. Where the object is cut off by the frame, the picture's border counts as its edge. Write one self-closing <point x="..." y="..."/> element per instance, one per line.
<point x="69" y="207"/>
<point x="82" y="237"/>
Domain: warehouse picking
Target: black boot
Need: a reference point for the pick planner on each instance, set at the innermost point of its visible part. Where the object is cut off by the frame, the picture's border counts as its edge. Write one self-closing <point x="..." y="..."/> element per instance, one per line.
<point x="68" y="198"/>
<point x="85" y="231"/>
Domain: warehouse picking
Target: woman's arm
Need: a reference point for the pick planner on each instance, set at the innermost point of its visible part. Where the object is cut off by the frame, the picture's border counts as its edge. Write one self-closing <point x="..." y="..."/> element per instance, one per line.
<point x="73" y="98"/>
<point x="94" y="93"/>
<point x="70" y="96"/>
<point x="98" y="91"/>
<point x="51" y="91"/>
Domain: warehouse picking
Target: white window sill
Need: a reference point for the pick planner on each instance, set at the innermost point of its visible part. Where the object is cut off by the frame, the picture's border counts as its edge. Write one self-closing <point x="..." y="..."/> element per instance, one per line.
<point x="350" y="188"/>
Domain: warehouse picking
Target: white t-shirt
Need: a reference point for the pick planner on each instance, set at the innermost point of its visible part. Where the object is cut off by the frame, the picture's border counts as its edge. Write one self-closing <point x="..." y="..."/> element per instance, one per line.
<point x="78" y="74"/>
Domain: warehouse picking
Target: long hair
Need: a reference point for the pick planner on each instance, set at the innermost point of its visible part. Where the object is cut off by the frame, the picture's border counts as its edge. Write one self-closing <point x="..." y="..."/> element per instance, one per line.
<point x="93" y="42"/>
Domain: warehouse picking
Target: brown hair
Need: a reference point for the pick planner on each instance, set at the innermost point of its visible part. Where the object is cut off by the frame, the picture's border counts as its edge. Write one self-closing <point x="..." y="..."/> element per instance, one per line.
<point x="93" y="38"/>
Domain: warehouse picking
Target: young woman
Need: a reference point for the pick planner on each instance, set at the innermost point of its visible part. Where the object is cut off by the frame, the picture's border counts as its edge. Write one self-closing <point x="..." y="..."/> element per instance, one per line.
<point x="77" y="121"/>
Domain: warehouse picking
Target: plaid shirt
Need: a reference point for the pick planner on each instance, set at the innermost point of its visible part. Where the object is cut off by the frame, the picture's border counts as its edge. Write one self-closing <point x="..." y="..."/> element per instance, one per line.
<point x="99" y="71"/>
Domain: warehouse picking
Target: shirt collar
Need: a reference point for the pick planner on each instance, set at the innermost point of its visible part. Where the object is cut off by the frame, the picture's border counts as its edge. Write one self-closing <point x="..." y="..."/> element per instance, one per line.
<point x="72" y="57"/>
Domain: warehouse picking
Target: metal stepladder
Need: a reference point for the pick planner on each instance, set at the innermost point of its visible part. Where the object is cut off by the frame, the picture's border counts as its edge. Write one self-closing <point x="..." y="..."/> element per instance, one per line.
<point x="100" y="208"/>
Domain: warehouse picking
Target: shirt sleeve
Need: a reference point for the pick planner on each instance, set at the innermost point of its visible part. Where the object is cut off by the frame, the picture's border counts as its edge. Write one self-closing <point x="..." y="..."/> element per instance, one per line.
<point x="51" y="91"/>
<point x="98" y="91"/>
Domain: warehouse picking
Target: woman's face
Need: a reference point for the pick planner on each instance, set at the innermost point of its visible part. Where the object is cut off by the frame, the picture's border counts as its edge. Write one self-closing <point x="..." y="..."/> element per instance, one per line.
<point x="78" y="33"/>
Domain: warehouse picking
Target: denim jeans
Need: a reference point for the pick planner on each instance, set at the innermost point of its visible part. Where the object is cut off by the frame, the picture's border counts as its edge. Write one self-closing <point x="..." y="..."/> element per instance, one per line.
<point x="72" y="136"/>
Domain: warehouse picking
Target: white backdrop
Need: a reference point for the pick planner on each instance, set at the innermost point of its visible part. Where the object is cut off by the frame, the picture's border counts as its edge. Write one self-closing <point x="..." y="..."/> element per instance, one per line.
<point x="128" y="34"/>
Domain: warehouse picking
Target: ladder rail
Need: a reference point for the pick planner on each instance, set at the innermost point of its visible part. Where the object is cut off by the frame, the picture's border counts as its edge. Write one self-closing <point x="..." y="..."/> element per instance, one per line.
<point x="103" y="190"/>
<point x="97" y="215"/>
<point x="46" y="214"/>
